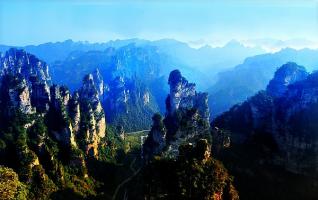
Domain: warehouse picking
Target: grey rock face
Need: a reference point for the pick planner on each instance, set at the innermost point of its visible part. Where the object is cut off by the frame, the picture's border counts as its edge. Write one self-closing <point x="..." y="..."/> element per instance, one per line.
<point x="80" y="113"/>
<point x="188" y="113"/>
<point x="25" y="86"/>
<point x="60" y="97"/>
<point x="118" y="95"/>
<point x="202" y="105"/>
<point x="20" y="62"/>
<point x="129" y="100"/>
<point x="92" y="110"/>
<point x="183" y="95"/>
<point x="186" y="121"/>
<point x="88" y="90"/>
<point x="19" y="97"/>
<point x="99" y="83"/>
<point x="32" y="77"/>
<point x="33" y="72"/>
<point x="75" y="112"/>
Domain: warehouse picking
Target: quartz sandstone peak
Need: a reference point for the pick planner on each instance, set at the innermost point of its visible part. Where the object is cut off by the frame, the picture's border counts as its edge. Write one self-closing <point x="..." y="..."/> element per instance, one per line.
<point x="186" y="120"/>
<point x="91" y="110"/>
<point x="183" y="95"/>
<point x="34" y="76"/>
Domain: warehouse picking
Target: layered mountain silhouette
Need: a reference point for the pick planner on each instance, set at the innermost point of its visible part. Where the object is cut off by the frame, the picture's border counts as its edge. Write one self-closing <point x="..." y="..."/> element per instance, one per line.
<point x="243" y="81"/>
<point x="273" y="132"/>
<point x="55" y="141"/>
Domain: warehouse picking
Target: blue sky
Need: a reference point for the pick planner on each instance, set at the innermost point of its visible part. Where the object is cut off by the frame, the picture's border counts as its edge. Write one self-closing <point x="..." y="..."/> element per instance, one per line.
<point x="34" y="22"/>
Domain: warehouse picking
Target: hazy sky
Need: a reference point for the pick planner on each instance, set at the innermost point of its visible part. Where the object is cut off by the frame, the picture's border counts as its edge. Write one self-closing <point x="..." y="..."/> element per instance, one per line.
<point x="33" y="22"/>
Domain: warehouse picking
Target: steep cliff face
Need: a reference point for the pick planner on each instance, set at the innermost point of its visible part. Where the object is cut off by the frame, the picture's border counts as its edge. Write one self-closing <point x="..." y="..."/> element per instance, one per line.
<point x="183" y="95"/>
<point x="25" y="87"/>
<point x="75" y="112"/>
<point x="187" y="117"/>
<point x="99" y="83"/>
<point x="127" y="101"/>
<point x="92" y="115"/>
<point x="40" y="96"/>
<point x="41" y="125"/>
<point x="30" y="80"/>
<point x="58" y="112"/>
<point x="118" y="95"/>
<point x="15" y="94"/>
<point x="19" y="62"/>
<point x="145" y="67"/>
<point x="285" y="114"/>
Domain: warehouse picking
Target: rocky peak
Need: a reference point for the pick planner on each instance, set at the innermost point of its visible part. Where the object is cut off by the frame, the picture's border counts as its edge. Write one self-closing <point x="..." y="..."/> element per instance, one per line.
<point x="118" y="95"/>
<point x="93" y="113"/>
<point x="175" y="78"/>
<point x="300" y="95"/>
<point x="16" y="61"/>
<point x="186" y="121"/>
<point x="88" y="90"/>
<point x="284" y="76"/>
<point x="288" y="117"/>
<point x="34" y="75"/>
<point x="99" y="82"/>
<point x="15" y="94"/>
<point x="183" y="95"/>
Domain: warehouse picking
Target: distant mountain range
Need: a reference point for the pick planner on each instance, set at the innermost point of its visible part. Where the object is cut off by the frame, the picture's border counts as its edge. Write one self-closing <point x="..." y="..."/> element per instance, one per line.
<point x="230" y="74"/>
<point x="236" y="85"/>
<point x="267" y="44"/>
<point x="203" y="59"/>
<point x="276" y="45"/>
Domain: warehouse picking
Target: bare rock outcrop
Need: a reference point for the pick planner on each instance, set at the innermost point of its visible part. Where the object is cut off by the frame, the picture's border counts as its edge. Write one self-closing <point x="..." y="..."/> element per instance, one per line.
<point x="186" y="120"/>
<point x="92" y="115"/>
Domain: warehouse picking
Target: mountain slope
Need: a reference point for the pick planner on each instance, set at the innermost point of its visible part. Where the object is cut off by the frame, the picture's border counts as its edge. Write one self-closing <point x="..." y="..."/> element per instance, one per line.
<point x="236" y="85"/>
<point x="45" y="132"/>
<point x="270" y="139"/>
<point x="177" y="149"/>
